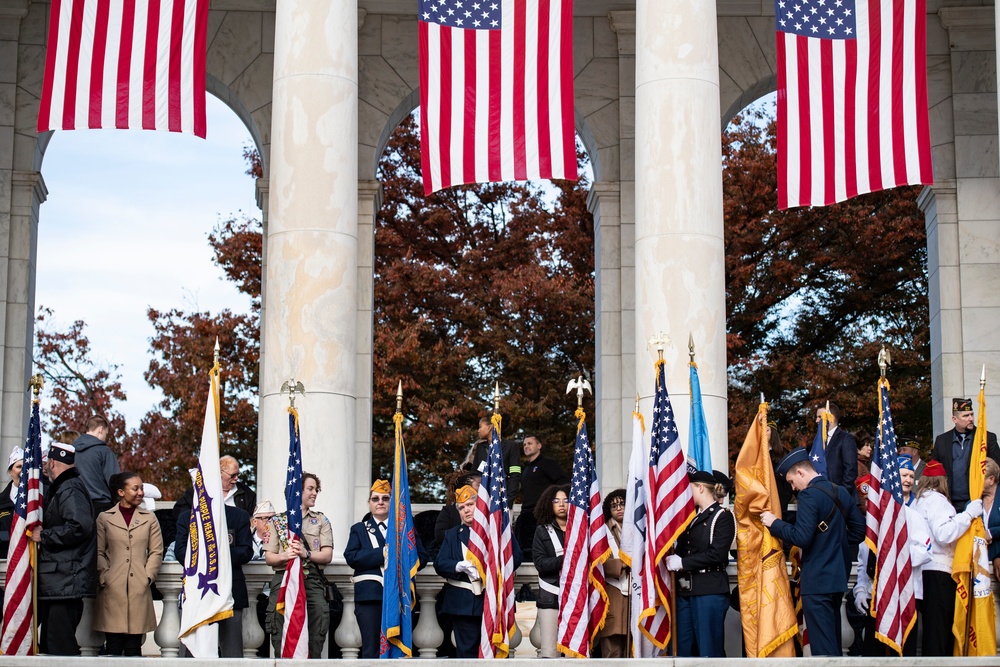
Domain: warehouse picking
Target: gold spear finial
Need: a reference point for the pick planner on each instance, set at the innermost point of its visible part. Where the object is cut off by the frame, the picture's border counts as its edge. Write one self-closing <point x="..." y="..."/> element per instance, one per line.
<point x="982" y="379"/>
<point x="580" y="384"/>
<point x="636" y="402"/>
<point x="884" y="360"/>
<point x="691" y="346"/>
<point x="399" y="397"/>
<point x="215" y="359"/>
<point x="36" y="382"/>
<point x="292" y="387"/>
<point x="659" y="342"/>
<point x="496" y="398"/>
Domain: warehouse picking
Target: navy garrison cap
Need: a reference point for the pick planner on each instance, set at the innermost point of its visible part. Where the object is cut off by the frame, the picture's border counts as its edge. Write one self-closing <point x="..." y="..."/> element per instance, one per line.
<point x="797" y="455"/>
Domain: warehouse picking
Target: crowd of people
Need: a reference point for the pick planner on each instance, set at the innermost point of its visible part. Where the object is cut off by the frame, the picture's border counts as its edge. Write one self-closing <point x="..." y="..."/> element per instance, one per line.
<point x="100" y="538"/>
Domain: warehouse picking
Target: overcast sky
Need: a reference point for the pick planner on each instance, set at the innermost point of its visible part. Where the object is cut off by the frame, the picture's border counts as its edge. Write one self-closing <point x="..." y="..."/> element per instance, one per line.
<point x="125" y="227"/>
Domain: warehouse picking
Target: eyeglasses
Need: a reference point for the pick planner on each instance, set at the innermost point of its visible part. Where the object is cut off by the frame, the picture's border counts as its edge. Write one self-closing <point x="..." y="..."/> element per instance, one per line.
<point x="231" y="476"/>
<point x="380" y="499"/>
<point x="561" y="501"/>
<point x="617" y="503"/>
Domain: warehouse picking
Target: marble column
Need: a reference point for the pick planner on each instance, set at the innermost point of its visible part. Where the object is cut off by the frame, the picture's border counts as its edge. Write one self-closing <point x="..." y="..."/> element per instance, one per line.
<point x="679" y="243"/>
<point x="18" y="251"/>
<point x="369" y="202"/>
<point x="310" y="332"/>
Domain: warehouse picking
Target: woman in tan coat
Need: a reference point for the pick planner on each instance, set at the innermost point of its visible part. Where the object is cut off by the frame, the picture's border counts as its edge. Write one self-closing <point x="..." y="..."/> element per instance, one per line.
<point x="614" y="634"/>
<point x="129" y="553"/>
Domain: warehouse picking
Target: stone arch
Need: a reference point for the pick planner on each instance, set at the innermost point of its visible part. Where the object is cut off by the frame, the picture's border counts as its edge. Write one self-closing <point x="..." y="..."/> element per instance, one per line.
<point x="746" y="62"/>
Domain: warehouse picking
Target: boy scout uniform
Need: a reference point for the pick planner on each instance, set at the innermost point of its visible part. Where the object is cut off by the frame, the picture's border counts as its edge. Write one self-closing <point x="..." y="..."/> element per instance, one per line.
<point x="317" y="533"/>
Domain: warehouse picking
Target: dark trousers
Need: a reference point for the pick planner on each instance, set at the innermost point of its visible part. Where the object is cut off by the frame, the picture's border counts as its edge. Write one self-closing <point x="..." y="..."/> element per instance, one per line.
<point x="524" y="531"/>
<point x="369" y="615"/>
<point x="120" y="643"/>
<point x="938" y="614"/>
<point x="264" y="651"/>
<point x="822" y="612"/>
<point x="700" y="626"/>
<point x="468" y="630"/>
<point x="59" y="619"/>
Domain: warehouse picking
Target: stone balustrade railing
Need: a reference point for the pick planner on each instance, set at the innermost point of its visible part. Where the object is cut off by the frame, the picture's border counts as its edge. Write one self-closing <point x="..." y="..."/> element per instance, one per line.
<point x="427" y="635"/>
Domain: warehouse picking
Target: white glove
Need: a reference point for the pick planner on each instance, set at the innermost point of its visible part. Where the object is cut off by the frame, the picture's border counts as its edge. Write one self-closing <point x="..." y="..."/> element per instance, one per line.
<point x="468" y="569"/>
<point x="861" y="600"/>
<point x="462" y="566"/>
<point x="674" y="563"/>
<point x="974" y="508"/>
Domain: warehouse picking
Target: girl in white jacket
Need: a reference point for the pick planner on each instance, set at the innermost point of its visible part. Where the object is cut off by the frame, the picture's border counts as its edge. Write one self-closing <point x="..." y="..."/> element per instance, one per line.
<point x="945" y="527"/>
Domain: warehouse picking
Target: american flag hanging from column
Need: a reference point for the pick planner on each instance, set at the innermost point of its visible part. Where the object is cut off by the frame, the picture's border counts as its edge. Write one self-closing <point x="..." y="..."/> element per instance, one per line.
<point x="128" y="65"/>
<point x="583" y="599"/>
<point x="496" y="91"/>
<point x="18" y="622"/>
<point x="852" y="98"/>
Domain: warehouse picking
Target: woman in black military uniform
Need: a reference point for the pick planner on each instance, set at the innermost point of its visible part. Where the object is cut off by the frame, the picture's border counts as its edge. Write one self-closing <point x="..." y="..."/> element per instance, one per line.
<point x="551" y="513"/>
<point x="700" y="561"/>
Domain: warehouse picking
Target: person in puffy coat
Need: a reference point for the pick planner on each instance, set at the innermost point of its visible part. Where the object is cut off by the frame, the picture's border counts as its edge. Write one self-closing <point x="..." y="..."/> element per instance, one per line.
<point x="129" y="553"/>
<point x="551" y="513"/>
<point x="945" y="527"/>
<point x="67" y="554"/>
<point x="614" y="634"/>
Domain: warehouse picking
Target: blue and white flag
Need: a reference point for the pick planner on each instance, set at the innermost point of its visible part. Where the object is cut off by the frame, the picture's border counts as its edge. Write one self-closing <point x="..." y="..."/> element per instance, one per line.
<point x="699" y="451"/>
<point x="401" y="562"/>
<point x="208" y="572"/>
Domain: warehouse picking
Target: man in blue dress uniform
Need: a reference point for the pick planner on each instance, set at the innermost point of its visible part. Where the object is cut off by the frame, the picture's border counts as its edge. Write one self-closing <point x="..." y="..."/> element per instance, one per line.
<point x="828" y="527"/>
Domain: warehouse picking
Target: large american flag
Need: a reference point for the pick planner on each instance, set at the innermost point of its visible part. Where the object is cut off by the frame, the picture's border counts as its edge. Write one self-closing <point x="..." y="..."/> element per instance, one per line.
<point x="17" y="631"/>
<point x="670" y="509"/>
<point x="496" y="91"/>
<point x="852" y="98"/>
<point x="491" y="549"/>
<point x="292" y="595"/>
<point x="893" y="600"/>
<point x="583" y="600"/>
<point x="135" y="65"/>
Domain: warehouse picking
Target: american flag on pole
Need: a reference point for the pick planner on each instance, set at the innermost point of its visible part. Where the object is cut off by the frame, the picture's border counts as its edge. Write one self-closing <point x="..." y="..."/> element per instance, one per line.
<point x="670" y="507"/>
<point x="138" y="64"/>
<point x="583" y="600"/>
<point x="496" y="91"/>
<point x="852" y="98"/>
<point x="18" y="623"/>
<point x="292" y="594"/>
<point x="491" y="549"/>
<point x="893" y="600"/>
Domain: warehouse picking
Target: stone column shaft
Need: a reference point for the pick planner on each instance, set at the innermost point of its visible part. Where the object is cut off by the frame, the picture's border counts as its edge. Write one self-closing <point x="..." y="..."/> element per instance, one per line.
<point x="309" y="331"/>
<point x="679" y="243"/>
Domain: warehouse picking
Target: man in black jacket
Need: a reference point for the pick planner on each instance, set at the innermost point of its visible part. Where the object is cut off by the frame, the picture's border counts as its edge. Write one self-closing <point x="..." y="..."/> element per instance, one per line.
<point x="96" y="462"/>
<point x="538" y="473"/>
<point x="67" y="554"/>
<point x="841" y="452"/>
<point x="953" y="449"/>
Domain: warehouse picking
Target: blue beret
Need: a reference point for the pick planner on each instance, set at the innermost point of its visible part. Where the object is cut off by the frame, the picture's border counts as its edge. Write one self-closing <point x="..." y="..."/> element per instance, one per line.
<point x="905" y="462"/>
<point x="797" y="455"/>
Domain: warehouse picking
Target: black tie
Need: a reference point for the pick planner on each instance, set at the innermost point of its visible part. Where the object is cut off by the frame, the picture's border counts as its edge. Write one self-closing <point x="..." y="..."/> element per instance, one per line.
<point x="381" y="525"/>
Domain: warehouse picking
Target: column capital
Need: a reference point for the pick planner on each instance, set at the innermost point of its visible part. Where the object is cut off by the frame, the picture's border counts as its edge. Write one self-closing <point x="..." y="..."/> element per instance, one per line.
<point x="11" y="13"/>
<point x="32" y="180"/>
<point x="969" y="28"/>
<point x="602" y="193"/>
<point x="261" y="192"/>
<point x="943" y="187"/>
<point x="623" y="24"/>
<point x="370" y="191"/>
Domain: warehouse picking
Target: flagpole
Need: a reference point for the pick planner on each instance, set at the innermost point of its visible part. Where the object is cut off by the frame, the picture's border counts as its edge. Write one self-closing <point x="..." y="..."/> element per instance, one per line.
<point x="35" y="383"/>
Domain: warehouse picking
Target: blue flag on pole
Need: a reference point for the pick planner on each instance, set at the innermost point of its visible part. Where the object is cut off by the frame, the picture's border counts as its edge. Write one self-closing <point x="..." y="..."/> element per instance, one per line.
<point x="817" y="453"/>
<point x="401" y="562"/>
<point x="698" y="449"/>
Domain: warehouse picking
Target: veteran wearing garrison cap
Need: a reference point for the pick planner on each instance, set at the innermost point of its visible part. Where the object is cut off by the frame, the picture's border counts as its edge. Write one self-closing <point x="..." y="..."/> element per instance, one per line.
<point x="954" y="450"/>
<point x="828" y="528"/>
<point x="366" y="553"/>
